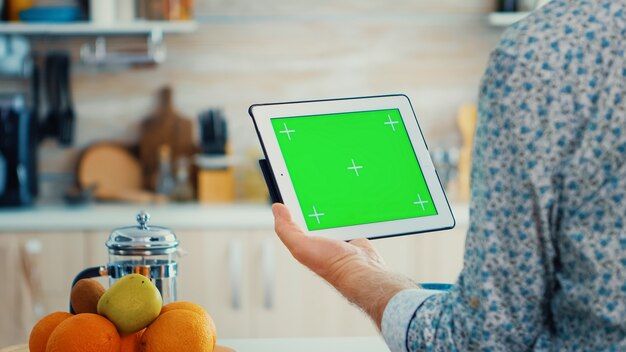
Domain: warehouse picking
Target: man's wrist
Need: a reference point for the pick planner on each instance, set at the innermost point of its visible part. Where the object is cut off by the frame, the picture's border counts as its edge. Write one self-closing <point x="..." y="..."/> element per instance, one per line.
<point x="371" y="288"/>
<point x="394" y="284"/>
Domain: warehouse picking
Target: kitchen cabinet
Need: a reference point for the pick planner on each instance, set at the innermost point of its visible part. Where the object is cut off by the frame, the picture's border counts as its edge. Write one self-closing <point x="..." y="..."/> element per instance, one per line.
<point x="37" y="269"/>
<point x="214" y="272"/>
<point x="61" y="258"/>
<point x="289" y="300"/>
<point x="240" y="272"/>
<point x="254" y="288"/>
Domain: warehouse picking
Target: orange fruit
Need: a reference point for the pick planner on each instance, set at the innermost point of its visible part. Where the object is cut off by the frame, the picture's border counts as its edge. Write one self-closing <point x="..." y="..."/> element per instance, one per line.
<point x="42" y="330"/>
<point x="130" y="343"/>
<point x="84" y="332"/>
<point x="178" y="330"/>
<point x="194" y="308"/>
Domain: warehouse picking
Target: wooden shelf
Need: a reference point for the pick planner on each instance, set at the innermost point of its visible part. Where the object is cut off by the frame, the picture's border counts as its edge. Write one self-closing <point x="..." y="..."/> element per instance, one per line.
<point x="91" y="29"/>
<point x="505" y="19"/>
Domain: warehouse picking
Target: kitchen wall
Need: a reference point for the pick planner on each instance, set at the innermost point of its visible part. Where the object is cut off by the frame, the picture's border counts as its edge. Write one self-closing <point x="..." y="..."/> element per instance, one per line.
<point x="248" y="51"/>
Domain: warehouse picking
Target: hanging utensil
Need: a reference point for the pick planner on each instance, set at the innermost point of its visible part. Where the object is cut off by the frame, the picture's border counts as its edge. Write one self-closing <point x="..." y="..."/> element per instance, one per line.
<point x="59" y="121"/>
<point x="66" y="109"/>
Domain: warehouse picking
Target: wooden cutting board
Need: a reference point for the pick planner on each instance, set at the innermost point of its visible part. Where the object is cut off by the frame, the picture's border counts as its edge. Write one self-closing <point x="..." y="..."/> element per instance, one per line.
<point x="467" y="119"/>
<point x="165" y="126"/>
<point x="24" y="348"/>
<point x="115" y="173"/>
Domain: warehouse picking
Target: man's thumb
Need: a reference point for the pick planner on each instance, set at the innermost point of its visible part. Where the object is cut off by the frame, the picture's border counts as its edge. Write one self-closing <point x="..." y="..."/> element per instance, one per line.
<point x="287" y="230"/>
<point x="281" y="212"/>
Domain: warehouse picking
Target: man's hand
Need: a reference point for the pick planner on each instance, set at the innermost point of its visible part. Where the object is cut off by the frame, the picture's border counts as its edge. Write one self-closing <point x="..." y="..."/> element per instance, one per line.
<point x="355" y="269"/>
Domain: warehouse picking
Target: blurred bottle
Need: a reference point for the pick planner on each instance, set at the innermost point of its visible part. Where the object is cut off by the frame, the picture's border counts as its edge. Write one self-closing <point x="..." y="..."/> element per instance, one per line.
<point x="527" y="5"/>
<point x="507" y="5"/>
<point x="446" y="161"/>
<point x="183" y="192"/>
<point x="178" y="10"/>
<point x="173" y="10"/>
<point x="165" y="179"/>
<point x="15" y="6"/>
<point x="253" y="184"/>
<point x="126" y="10"/>
<point x="102" y="11"/>
<point x="151" y="10"/>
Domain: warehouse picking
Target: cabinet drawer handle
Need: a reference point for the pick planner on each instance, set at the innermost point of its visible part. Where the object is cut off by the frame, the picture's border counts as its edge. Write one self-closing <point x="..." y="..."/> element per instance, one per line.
<point x="236" y="272"/>
<point x="267" y="265"/>
<point x="33" y="272"/>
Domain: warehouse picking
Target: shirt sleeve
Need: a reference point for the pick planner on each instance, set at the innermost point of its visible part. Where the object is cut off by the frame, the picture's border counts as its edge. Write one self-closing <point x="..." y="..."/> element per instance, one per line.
<point x="398" y="315"/>
<point x="501" y="299"/>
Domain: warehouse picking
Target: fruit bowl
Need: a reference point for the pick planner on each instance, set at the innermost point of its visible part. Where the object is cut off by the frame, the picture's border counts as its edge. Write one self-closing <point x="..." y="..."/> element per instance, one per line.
<point x="24" y="348"/>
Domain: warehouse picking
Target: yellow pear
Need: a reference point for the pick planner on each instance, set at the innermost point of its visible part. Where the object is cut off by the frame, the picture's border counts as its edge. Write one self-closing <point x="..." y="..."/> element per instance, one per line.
<point x="132" y="303"/>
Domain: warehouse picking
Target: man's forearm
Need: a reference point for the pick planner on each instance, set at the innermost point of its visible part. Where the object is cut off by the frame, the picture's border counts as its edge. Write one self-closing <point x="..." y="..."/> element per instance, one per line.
<point x="371" y="287"/>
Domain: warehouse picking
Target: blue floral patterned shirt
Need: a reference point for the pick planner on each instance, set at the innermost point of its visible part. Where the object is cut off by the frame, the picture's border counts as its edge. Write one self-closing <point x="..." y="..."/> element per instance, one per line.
<point x="545" y="257"/>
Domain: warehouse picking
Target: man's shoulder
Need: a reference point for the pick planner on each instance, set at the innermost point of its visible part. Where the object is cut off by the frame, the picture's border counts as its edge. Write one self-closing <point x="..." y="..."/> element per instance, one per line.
<point x="562" y="27"/>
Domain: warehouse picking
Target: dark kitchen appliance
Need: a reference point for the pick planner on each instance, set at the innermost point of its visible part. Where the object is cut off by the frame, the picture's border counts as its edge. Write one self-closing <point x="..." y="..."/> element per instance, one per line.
<point x="18" y="147"/>
<point x="21" y="104"/>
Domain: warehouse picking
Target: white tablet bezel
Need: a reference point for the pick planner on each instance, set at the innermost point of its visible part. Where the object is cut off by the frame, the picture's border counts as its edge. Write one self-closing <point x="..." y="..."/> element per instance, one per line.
<point x="262" y="115"/>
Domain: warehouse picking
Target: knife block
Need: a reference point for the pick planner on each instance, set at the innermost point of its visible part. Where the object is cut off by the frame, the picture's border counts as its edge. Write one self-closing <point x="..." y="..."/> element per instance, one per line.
<point x="216" y="186"/>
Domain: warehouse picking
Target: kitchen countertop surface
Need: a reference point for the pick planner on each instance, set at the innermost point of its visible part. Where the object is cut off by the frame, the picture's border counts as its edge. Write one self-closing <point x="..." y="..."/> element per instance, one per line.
<point x="100" y="217"/>
<point x="326" y="344"/>
<point x="312" y="344"/>
<point x="106" y="217"/>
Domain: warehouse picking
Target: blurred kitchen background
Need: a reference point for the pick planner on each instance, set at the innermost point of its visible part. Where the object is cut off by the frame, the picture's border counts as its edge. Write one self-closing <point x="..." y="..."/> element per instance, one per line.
<point x="108" y="107"/>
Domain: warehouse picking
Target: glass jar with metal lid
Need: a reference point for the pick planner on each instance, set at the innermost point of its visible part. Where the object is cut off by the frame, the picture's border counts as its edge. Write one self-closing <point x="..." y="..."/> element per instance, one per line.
<point x="141" y="249"/>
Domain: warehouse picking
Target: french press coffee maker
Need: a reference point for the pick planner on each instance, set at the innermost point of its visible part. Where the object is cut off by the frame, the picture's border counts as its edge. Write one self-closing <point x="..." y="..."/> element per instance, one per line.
<point x="141" y="249"/>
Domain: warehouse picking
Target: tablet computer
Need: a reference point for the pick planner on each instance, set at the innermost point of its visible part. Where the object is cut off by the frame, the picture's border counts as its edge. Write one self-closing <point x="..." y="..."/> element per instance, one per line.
<point x="352" y="168"/>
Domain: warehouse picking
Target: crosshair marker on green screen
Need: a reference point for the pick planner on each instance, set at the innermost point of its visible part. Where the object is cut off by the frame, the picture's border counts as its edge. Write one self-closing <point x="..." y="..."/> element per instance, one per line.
<point x="353" y="168"/>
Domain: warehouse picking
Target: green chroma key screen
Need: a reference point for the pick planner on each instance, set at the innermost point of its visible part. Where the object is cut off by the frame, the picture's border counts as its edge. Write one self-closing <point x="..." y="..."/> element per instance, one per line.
<point x="353" y="168"/>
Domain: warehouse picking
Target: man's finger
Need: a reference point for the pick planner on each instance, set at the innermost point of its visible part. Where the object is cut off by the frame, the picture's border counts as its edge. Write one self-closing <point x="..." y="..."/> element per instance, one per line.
<point x="287" y="230"/>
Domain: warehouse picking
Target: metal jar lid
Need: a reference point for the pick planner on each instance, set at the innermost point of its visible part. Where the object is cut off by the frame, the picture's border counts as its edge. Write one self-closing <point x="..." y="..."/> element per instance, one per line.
<point x="141" y="239"/>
